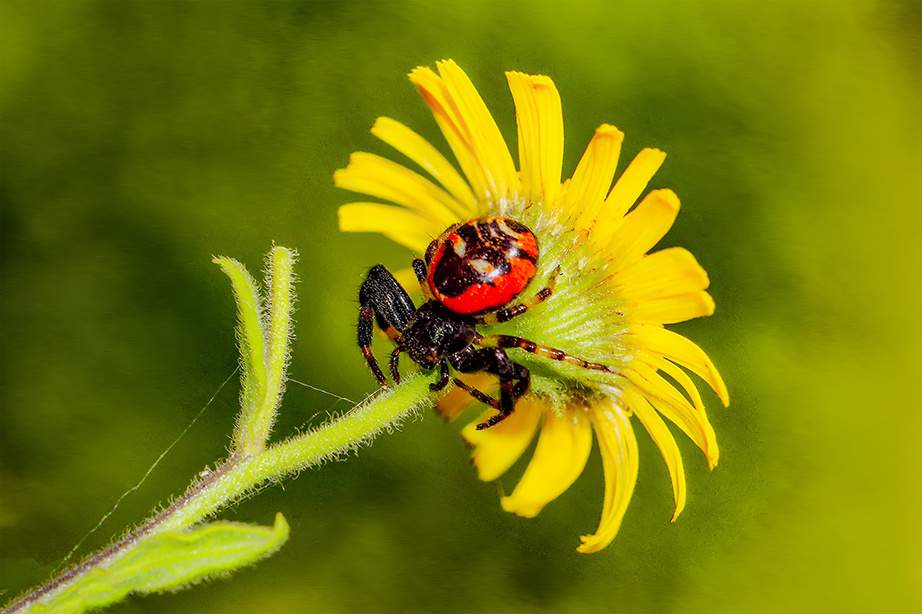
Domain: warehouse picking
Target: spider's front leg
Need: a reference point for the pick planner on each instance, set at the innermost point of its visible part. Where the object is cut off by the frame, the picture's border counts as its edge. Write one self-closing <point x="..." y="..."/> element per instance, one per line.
<point x="514" y="379"/>
<point x="509" y="342"/>
<point x="395" y="364"/>
<point x="504" y="315"/>
<point x="384" y="300"/>
<point x="443" y="377"/>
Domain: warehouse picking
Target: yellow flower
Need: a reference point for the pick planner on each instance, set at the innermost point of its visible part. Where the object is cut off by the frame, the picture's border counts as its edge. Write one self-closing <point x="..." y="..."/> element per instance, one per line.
<point x="611" y="298"/>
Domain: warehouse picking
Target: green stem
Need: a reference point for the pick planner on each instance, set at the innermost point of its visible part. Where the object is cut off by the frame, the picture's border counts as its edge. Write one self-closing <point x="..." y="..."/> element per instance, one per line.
<point x="242" y="474"/>
<point x="264" y="331"/>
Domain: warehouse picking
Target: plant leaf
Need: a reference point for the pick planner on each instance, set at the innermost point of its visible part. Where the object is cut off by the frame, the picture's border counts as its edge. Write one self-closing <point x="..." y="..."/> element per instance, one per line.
<point x="171" y="561"/>
<point x="250" y="334"/>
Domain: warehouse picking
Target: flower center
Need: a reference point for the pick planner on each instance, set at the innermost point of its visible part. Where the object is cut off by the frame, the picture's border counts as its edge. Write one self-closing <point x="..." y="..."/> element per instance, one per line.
<point x="584" y="316"/>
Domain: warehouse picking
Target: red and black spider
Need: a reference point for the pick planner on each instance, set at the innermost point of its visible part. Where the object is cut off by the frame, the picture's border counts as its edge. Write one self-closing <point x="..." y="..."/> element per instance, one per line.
<point x="470" y="273"/>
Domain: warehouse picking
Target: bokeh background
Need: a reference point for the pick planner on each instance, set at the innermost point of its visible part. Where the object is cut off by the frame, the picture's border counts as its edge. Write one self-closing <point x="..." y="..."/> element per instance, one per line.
<point x="140" y="138"/>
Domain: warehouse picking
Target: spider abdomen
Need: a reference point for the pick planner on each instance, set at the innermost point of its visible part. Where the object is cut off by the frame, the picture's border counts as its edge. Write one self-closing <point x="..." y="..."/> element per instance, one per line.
<point x="480" y="266"/>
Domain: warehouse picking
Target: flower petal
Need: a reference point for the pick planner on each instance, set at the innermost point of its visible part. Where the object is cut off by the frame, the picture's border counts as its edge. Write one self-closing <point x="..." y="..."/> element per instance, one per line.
<point x="593" y="176"/>
<point x="667" y="401"/>
<point x="469" y="128"/>
<point x="453" y="128"/>
<point x="396" y="223"/>
<point x="560" y="456"/>
<point x="619" y="461"/>
<point x="408" y="281"/>
<point x="540" y="127"/>
<point x="676" y="373"/>
<point x="664" y="273"/>
<point x="664" y="441"/>
<point x="630" y="185"/>
<point x="681" y="351"/>
<point x="498" y="447"/>
<point x="377" y="176"/>
<point x="492" y="146"/>
<point x="672" y="309"/>
<point x="642" y="228"/>
<point x="418" y="149"/>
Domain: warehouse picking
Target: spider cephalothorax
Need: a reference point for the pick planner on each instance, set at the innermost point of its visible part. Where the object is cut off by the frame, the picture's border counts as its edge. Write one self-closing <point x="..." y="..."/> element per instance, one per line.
<point x="471" y="272"/>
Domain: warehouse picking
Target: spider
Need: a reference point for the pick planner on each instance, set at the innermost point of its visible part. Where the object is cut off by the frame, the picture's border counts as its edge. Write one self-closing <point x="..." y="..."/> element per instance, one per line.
<point x="470" y="274"/>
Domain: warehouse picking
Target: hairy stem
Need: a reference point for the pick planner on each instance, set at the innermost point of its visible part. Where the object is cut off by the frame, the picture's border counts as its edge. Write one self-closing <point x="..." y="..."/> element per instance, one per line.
<point x="241" y="474"/>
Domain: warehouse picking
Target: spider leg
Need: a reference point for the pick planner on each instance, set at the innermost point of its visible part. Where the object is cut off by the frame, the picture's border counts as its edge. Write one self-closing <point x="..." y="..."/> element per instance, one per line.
<point x="392" y="333"/>
<point x="504" y="315"/>
<point x="382" y="299"/>
<point x="419" y="267"/>
<point x="508" y="341"/>
<point x="443" y="377"/>
<point x="395" y="358"/>
<point x="422" y="276"/>
<point x="366" y="325"/>
<point x="514" y="379"/>
<point x="481" y="396"/>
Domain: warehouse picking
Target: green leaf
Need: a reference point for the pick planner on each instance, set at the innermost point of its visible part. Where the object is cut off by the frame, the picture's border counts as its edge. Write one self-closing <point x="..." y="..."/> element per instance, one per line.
<point x="171" y="561"/>
<point x="252" y="349"/>
<point x="279" y="279"/>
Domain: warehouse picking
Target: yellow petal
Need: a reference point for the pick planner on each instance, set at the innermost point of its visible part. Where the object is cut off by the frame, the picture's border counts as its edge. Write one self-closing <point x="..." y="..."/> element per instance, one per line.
<point x="409" y="281"/>
<point x="470" y="130"/>
<point x="593" y="176"/>
<point x="672" y="309"/>
<point x="418" y="149"/>
<point x="540" y="127"/>
<point x="681" y="351"/>
<point x="665" y="273"/>
<point x="396" y="223"/>
<point x="453" y="128"/>
<point x="485" y="134"/>
<point x="630" y="185"/>
<point x="619" y="461"/>
<point x="377" y="176"/>
<point x="666" y="399"/>
<point x="642" y="228"/>
<point x="560" y="456"/>
<point x="497" y="448"/>
<point x="664" y="441"/>
<point x="676" y="373"/>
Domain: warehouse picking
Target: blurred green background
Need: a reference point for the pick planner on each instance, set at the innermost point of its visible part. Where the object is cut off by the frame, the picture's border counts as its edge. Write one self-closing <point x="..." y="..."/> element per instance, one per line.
<point x="140" y="138"/>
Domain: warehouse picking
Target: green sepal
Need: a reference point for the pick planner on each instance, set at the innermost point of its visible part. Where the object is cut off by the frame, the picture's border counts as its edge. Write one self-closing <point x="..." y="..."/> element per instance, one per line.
<point x="171" y="561"/>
